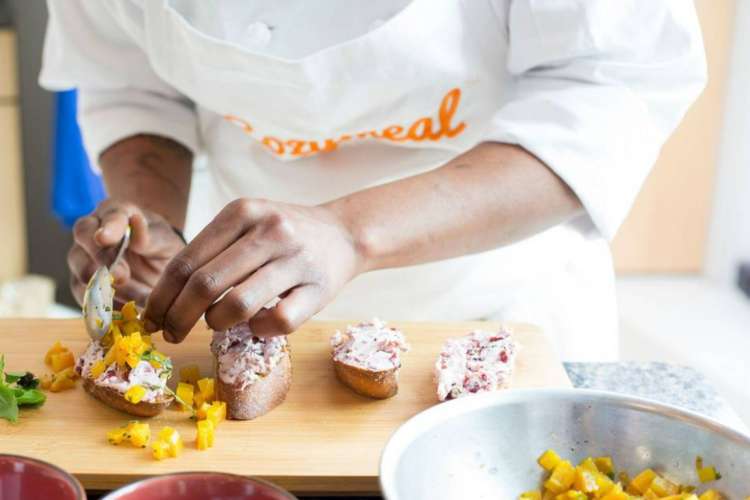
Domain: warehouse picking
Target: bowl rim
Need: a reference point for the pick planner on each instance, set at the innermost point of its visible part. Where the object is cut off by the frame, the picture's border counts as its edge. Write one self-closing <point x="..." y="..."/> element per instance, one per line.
<point x="71" y="479"/>
<point x="159" y="477"/>
<point x="415" y="426"/>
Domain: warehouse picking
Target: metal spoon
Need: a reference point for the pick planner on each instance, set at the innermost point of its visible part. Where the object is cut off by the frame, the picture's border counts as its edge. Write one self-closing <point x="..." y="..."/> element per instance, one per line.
<point x="99" y="297"/>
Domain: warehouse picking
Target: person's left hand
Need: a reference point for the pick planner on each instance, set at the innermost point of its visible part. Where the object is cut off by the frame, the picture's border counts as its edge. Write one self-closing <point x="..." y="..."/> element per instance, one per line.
<point x="260" y="250"/>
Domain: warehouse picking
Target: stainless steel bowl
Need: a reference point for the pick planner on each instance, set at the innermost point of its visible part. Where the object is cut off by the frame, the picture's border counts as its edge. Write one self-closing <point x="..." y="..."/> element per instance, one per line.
<point x="485" y="447"/>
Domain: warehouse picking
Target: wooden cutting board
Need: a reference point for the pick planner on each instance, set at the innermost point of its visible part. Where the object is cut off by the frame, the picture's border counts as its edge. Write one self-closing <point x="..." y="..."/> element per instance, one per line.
<point x="323" y="438"/>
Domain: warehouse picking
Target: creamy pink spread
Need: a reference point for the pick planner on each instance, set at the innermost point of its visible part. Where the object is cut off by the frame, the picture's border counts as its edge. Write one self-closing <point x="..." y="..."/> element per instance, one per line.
<point x="478" y="362"/>
<point x="244" y="358"/>
<point x="370" y="346"/>
<point x="123" y="378"/>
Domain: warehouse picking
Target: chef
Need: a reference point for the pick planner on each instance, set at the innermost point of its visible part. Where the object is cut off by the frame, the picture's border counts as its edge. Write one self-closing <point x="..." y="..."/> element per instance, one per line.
<point x="411" y="160"/>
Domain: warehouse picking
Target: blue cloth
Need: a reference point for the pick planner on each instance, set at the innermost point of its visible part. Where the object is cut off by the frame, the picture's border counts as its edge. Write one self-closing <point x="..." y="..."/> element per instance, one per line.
<point x="76" y="188"/>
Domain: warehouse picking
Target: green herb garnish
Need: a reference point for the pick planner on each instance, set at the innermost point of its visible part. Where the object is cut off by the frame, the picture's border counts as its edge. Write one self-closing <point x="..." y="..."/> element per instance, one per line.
<point x="17" y="389"/>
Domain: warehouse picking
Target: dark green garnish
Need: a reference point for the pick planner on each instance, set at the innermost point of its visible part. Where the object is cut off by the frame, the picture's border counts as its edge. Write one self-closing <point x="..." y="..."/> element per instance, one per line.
<point x="17" y="389"/>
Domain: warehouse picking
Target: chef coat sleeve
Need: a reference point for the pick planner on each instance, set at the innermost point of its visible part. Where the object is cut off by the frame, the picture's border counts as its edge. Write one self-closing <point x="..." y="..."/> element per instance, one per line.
<point x="597" y="87"/>
<point x="120" y="95"/>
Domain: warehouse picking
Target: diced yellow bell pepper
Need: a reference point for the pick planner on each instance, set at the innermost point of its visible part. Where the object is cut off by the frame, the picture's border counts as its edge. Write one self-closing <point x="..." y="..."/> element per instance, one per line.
<point x="160" y="449"/>
<point x="190" y="374"/>
<point x="664" y="487"/>
<point x="206" y="387"/>
<point x="642" y="481"/>
<point x="588" y="464"/>
<point x="548" y="495"/>
<point x="585" y="480"/>
<point x="198" y="399"/>
<point x="117" y="436"/>
<point x="605" y="465"/>
<point x="170" y="436"/>
<point x="603" y="483"/>
<point x="562" y="477"/>
<point x="616" y="493"/>
<point x="202" y="410"/>
<point x="549" y="460"/>
<point x="571" y="495"/>
<point x="530" y="495"/>
<point x="706" y="474"/>
<point x="129" y="311"/>
<point x="56" y="348"/>
<point x="135" y="394"/>
<point x="97" y="369"/>
<point x="140" y="434"/>
<point x="650" y="495"/>
<point x="710" y="495"/>
<point x="62" y="360"/>
<point x="131" y="327"/>
<point x="205" y="436"/>
<point x="218" y="412"/>
<point x="185" y="393"/>
<point x="45" y="382"/>
<point x="64" y="379"/>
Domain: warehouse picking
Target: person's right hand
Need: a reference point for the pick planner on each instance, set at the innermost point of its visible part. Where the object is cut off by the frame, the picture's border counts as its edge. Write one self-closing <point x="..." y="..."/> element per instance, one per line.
<point x="97" y="236"/>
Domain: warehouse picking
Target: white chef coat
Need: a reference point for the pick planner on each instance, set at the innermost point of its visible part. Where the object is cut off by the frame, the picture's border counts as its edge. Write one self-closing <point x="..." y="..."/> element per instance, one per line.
<point x="304" y="102"/>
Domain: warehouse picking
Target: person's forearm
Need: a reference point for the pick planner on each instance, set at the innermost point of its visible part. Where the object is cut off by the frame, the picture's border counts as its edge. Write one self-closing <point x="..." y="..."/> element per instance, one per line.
<point x="151" y="172"/>
<point x="490" y="196"/>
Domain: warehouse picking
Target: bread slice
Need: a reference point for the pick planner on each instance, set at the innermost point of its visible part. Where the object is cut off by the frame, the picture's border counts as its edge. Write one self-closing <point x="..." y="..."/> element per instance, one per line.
<point x="113" y="398"/>
<point x="373" y="384"/>
<point x="366" y="358"/>
<point x="259" y="397"/>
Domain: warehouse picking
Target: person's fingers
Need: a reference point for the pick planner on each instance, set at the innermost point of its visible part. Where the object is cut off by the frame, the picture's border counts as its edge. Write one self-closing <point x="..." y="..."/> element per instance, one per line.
<point x="81" y="266"/>
<point x="132" y="290"/>
<point x="216" y="237"/>
<point x="140" y="237"/>
<point x="83" y="234"/>
<point x="77" y="289"/>
<point x="209" y="282"/>
<point x="249" y="297"/>
<point x="288" y="314"/>
<point x="114" y="221"/>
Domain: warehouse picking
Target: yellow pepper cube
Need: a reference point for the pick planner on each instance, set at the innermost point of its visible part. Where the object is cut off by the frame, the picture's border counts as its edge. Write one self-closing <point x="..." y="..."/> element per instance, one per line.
<point x="588" y="465"/>
<point x="140" y="434"/>
<point x="97" y="369"/>
<point x="170" y="436"/>
<point x="642" y="481"/>
<point x="217" y="412"/>
<point x="603" y="484"/>
<point x="129" y="311"/>
<point x="201" y="413"/>
<point x="650" y="495"/>
<point x="530" y="495"/>
<point x="198" y="399"/>
<point x="664" y="487"/>
<point x="45" y="381"/>
<point x="116" y="436"/>
<point x="549" y="460"/>
<point x="710" y="495"/>
<point x="57" y="347"/>
<point x="160" y="449"/>
<point x="706" y="474"/>
<point x="585" y="480"/>
<point x="206" y="387"/>
<point x="205" y="436"/>
<point x="131" y="327"/>
<point x="135" y="394"/>
<point x="562" y="477"/>
<point x="62" y="360"/>
<point x="605" y="465"/>
<point x="616" y="493"/>
<point x="190" y="374"/>
<point x="185" y="393"/>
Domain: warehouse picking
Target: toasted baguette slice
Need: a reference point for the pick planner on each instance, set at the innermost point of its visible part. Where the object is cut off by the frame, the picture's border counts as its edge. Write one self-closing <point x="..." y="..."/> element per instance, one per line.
<point x="373" y="384"/>
<point x="261" y="396"/>
<point x="112" y="397"/>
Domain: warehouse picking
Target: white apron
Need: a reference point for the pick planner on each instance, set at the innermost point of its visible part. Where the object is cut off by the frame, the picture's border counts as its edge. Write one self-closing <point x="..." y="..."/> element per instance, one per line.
<point x="386" y="105"/>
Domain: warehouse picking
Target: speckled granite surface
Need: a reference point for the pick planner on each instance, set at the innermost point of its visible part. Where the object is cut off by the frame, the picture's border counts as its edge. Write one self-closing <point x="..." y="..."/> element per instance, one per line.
<point x="676" y="385"/>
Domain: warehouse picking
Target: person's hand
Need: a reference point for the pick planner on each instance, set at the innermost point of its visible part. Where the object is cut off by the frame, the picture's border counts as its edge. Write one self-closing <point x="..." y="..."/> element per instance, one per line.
<point x="258" y="250"/>
<point x="96" y="240"/>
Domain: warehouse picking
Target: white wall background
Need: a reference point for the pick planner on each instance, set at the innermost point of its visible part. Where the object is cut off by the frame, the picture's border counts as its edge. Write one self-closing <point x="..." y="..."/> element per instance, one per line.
<point x="729" y="234"/>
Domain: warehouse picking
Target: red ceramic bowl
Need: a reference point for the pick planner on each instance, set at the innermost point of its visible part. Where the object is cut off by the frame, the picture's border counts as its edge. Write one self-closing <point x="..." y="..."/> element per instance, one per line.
<point x="22" y="478"/>
<point x="200" y="486"/>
